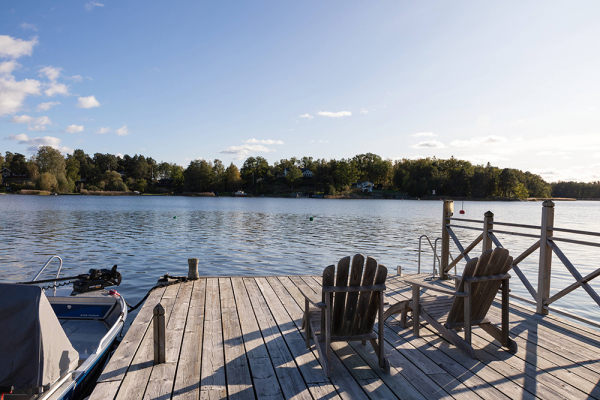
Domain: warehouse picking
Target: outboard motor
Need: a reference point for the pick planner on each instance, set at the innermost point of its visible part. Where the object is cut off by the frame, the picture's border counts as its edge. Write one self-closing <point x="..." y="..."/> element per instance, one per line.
<point x="97" y="279"/>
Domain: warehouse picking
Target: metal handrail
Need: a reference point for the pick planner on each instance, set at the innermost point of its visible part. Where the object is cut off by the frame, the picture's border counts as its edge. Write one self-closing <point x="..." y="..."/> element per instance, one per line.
<point x="434" y="253"/>
<point x="45" y="265"/>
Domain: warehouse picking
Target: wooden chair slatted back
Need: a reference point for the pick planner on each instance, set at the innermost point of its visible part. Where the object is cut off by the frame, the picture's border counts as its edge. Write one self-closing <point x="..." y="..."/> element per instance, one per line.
<point x="486" y="291"/>
<point x="371" y="311"/>
<point x="353" y="313"/>
<point x="364" y="297"/>
<point x="352" y="297"/>
<point x="343" y="272"/>
<point x="489" y="263"/>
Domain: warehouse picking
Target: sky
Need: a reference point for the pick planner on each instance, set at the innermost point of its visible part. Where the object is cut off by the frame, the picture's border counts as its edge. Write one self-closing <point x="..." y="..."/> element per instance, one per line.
<point x="513" y="83"/>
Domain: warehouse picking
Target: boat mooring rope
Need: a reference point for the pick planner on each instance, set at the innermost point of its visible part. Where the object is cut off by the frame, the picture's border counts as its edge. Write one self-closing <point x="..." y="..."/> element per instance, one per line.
<point x="178" y="279"/>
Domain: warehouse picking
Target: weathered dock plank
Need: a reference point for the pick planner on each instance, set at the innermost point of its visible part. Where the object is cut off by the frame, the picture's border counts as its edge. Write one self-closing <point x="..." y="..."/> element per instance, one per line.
<point x="187" y="380"/>
<point x="241" y="338"/>
<point x="239" y="381"/>
<point x="213" y="384"/>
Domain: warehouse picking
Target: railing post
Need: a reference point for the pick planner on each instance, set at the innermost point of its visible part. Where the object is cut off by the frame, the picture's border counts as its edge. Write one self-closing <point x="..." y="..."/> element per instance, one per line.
<point x="545" y="269"/>
<point x="448" y="212"/>
<point x="488" y="224"/>
<point x="159" y="334"/>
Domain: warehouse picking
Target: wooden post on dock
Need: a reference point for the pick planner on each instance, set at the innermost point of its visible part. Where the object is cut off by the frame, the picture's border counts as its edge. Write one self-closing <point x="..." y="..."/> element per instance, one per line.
<point x="545" y="256"/>
<point x="193" y="271"/>
<point x="444" y="261"/>
<point x="159" y="334"/>
<point x="488" y="224"/>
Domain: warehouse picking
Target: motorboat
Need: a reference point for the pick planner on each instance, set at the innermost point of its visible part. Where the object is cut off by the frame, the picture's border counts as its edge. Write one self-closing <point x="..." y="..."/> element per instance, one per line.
<point x="56" y="339"/>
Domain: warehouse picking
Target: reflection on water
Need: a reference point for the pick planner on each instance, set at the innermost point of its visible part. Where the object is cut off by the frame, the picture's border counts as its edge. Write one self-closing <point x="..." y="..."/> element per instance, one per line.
<point x="254" y="236"/>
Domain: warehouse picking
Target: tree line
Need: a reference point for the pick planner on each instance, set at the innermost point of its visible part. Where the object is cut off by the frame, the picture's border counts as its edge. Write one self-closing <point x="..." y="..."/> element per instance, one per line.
<point x="49" y="170"/>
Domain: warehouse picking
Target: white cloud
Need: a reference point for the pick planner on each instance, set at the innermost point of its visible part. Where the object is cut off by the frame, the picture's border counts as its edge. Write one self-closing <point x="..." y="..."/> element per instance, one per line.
<point x="35" y="143"/>
<point x="76" y="78"/>
<point x="243" y="150"/>
<point x="319" y="141"/>
<point x="53" y="88"/>
<point x="74" y="128"/>
<point x="478" y="141"/>
<point x="35" y="124"/>
<point x="89" y="6"/>
<point x="429" y="144"/>
<point x="307" y="116"/>
<point x="47" y="106"/>
<point x="15" y="48"/>
<point x="87" y="102"/>
<point x="332" y="114"/>
<point x="21" y="119"/>
<point x="122" y="131"/>
<point x="364" y="111"/>
<point x="424" y="134"/>
<point x="13" y="93"/>
<point x="7" y="67"/>
<point x="267" y="141"/>
<point x="20" y="137"/>
<point x="25" y="25"/>
<point x="57" y="88"/>
<point x="50" y="72"/>
<point x="102" y="130"/>
<point x="119" y="155"/>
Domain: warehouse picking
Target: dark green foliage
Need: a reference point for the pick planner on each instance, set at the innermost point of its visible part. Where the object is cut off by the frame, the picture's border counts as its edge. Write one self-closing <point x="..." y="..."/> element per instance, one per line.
<point x="579" y="190"/>
<point x="417" y="178"/>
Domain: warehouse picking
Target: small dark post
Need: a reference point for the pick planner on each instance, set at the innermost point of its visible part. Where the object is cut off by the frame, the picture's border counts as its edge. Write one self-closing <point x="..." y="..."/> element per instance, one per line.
<point x="193" y="271"/>
<point x="488" y="224"/>
<point x="159" y="334"/>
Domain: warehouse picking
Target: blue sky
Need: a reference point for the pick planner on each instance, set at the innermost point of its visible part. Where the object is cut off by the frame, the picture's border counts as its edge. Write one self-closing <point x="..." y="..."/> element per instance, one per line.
<point x="512" y="83"/>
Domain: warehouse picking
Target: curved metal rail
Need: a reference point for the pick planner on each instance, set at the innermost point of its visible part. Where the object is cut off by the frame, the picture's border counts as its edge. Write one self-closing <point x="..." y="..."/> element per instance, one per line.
<point x="433" y="248"/>
<point x="47" y="263"/>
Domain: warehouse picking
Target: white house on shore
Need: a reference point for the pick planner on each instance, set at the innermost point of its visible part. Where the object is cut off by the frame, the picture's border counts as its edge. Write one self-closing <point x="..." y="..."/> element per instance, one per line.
<point x="306" y="173"/>
<point x="366" y="186"/>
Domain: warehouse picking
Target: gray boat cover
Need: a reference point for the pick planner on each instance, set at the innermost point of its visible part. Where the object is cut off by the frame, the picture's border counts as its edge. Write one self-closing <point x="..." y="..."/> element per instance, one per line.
<point x="34" y="349"/>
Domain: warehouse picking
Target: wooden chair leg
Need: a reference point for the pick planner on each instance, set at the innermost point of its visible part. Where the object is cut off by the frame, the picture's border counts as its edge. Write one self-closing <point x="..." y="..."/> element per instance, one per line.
<point x="403" y="317"/>
<point x="306" y="323"/>
<point x="416" y="293"/>
<point x="381" y="331"/>
<point x="328" y="331"/>
<point x="467" y="305"/>
<point x="505" y="312"/>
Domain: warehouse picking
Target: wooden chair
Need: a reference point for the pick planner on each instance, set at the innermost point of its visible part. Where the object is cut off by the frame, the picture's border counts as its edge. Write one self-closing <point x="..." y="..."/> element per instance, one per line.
<point x="466" y="306"/>
<point x="346" y="311"/>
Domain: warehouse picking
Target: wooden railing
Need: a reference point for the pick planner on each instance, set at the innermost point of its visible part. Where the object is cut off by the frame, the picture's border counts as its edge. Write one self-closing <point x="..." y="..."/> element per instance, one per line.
<point x="544" y="240"/>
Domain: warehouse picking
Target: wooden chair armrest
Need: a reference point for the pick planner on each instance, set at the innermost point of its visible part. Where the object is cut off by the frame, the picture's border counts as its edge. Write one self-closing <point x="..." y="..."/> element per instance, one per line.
<point x="312" y="298"/>
<point x="487" y="278"/>
<point x="429" y="286"/>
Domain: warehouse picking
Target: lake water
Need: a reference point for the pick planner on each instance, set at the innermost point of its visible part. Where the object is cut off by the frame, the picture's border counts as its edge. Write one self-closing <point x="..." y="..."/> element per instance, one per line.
<point x="260" y="236"/>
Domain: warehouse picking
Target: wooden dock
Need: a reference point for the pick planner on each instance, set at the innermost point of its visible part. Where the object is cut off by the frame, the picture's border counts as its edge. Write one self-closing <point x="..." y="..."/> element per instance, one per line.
<point x="240" y="338"/>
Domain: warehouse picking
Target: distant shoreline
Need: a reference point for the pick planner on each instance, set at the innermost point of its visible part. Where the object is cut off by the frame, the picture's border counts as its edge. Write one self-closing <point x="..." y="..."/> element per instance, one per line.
<point x="347" y="197"/>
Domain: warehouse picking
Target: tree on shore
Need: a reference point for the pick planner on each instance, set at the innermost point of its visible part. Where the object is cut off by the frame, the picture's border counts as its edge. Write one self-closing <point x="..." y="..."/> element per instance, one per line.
<point x="293" y="176"/>
<point x="233" y="179"/>
<point x="417" y="178"/>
